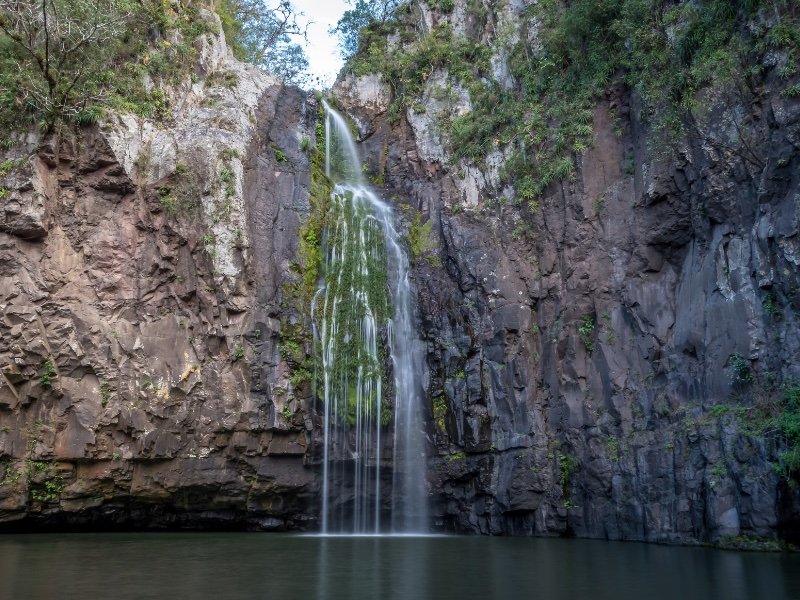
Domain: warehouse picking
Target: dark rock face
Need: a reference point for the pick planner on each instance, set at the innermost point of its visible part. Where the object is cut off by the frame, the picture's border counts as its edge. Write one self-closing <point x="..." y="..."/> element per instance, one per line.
<point x="575" y="352"/>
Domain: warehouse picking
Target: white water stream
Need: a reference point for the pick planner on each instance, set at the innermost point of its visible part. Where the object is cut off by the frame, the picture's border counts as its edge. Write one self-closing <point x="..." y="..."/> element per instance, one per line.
<point x="361" y="311"/>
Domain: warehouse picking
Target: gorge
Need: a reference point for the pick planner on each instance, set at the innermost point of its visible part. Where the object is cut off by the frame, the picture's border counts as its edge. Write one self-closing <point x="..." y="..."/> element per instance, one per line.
<point x="604" y="347"/>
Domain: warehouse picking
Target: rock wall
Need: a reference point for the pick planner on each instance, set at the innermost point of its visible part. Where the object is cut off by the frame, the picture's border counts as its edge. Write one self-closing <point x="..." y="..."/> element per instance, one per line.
<point x="142" y="266"/>
<point x="591" y="364"/>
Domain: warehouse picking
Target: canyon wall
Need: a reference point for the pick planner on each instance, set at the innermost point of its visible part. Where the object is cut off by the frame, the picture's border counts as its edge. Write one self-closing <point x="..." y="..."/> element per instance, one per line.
<point x="142" y="265"/>
<point x="595" y="362"/>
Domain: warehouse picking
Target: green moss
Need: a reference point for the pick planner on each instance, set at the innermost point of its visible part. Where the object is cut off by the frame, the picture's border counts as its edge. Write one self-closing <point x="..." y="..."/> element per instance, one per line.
<point x="298" y="294"/>
<point x="754" y="543"/>
<point x="456" y="456"/>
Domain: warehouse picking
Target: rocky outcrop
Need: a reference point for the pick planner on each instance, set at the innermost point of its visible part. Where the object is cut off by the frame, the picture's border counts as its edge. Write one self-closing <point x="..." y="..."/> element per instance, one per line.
<point x="142" y="268"/>
<point x="595" y="364"/>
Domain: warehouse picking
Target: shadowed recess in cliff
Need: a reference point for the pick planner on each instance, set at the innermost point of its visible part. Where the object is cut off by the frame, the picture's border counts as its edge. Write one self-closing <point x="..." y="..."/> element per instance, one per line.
<point x="357" y="325"/>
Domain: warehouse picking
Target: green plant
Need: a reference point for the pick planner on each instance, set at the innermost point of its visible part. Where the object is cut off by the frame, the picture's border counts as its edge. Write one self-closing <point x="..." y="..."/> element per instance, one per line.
<point x="227" y="79"/>
<point x="305" y="144"/>
<point x="455" y="456"/>
<point x="599" y="205"/>
<point x="265" y="34"/>
<point x="787" y="422"/>
<point x="770" y="305"/>
<point x="45" y="483"/>
<point x="586" y="331"/>
<point x="719" y="471"/>
<point x="11" y="476"/>
<point x="420" y="238"/>
<point x="230" y="154"/>
<point x="105" y="392"/>
<point x="238" y="350"/>
<point x="739" y="369"/>
<point x="567" y="466"/>
<point x="169" y="203"/>
<point x="440" y="413"/>
<point x="280" y="156"/>
<point x="287" y="413"/>
<point x="612" y="445"/>
<point x="669" y="53"/>
<point x="47" y="374"/>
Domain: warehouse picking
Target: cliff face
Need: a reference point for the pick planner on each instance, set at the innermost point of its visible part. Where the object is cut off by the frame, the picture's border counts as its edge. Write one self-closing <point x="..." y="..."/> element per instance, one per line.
<point x="141" y="273"/>
<point x="606" y="364"/>
<point x="595" y="364"/>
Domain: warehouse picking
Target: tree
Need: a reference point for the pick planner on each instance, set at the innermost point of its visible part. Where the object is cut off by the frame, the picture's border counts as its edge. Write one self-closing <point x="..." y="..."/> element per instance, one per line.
<point x="264" y="35"/>
<point x="53" y="52"/>
<point x="363" y="14"/>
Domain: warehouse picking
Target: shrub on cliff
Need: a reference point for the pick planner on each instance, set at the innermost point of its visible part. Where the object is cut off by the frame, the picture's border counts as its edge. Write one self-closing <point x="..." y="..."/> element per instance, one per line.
<point x="65" y="60"/>
<point x="562" y="56"/>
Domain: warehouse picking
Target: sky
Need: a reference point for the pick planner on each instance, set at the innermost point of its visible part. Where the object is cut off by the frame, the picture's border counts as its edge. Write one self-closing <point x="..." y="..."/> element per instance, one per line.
<point x="323" y="53"/>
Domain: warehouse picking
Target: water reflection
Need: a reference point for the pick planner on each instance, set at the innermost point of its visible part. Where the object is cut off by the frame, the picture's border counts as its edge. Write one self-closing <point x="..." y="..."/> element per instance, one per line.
<point x="273" y="567"/>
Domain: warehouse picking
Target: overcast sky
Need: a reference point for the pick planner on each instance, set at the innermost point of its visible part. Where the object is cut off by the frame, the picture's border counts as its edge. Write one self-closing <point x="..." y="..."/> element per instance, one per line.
<point x="323" y="53"/>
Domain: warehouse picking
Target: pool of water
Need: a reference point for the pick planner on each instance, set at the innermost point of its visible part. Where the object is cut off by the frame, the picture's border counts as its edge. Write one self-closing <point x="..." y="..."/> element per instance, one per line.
<point x="233" y="566"/>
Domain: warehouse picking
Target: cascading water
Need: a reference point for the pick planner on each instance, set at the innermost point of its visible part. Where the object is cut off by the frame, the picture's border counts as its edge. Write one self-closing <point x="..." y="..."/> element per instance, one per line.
<point x="355" y="320"/>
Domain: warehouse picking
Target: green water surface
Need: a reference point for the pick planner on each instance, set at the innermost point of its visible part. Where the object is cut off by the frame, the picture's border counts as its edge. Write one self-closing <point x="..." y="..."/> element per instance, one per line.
<point x="233" y="566"/>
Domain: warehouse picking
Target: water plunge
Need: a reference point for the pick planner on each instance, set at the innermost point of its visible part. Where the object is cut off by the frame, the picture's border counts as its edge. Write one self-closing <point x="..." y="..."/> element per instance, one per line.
<point x="356" y="321"/>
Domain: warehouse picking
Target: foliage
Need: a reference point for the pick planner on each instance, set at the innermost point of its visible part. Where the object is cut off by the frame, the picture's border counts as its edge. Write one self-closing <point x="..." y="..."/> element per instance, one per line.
<point x="420" y="238"/>
<point x="265" y="35"/>
<point x="53" y="55"/>
<point x="771" y="416"/>
<point x="48" y="372"/>
<point x="567" y="464"/>
<point x="45" y="484"/>
<point x="68" y="60"/>
<point x="612" y="445"/>
<point x="298" y="295"/>
<point x="456" y="456"/>
<point x="238" y="350"/>
<point x="354" y="21"/>
<point x="788" y="424"/>
<point x="105" y="392"/>
<point x="668" y="51"/>
<point x="739" y="369"/>
<point x="586" y="331"/>
<point x="287" y="413"/>
<point x="407" y="68"/>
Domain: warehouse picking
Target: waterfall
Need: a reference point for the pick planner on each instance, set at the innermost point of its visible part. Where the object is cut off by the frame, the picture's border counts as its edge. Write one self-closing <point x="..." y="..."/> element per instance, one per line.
<point x="357" y="320"/>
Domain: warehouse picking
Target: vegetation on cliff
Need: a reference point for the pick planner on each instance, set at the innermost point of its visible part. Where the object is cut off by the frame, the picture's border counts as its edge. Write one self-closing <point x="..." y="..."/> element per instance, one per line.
<point x="563" y="56"/>
<point x="67" y="60"/>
